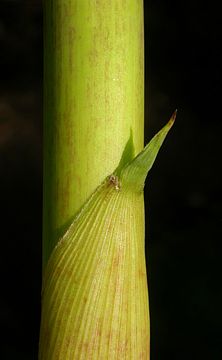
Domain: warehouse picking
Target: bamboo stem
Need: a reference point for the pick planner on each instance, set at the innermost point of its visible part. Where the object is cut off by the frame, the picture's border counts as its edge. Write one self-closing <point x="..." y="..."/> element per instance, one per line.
<point x="93" y="97"/>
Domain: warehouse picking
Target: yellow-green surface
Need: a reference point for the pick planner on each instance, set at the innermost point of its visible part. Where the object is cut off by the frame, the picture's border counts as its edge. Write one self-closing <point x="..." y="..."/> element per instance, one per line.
<point x="95" y="299"/>
<point x="93" y="96"/>
<point x="94" y="295"/>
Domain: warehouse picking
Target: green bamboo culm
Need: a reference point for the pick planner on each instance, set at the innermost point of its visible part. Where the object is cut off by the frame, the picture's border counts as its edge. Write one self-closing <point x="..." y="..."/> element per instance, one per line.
<point x="94" y="294"/>
<point x="93" y="96"/>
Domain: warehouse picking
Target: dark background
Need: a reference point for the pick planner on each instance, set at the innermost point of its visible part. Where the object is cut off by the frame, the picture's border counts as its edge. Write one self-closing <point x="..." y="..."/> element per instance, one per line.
<point x="183" y="192"/>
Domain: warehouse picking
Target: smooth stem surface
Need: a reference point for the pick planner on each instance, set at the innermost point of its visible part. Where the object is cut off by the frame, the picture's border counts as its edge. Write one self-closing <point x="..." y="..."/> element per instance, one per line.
<point x="93" y="98"/>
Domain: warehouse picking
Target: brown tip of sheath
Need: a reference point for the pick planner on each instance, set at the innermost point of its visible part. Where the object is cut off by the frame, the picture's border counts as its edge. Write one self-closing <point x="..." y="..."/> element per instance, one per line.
<point x="173" y="117"/>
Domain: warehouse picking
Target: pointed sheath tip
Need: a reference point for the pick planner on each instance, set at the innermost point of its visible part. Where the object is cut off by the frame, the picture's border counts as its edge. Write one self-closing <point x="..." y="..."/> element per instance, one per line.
<point x="172" y="119"/>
